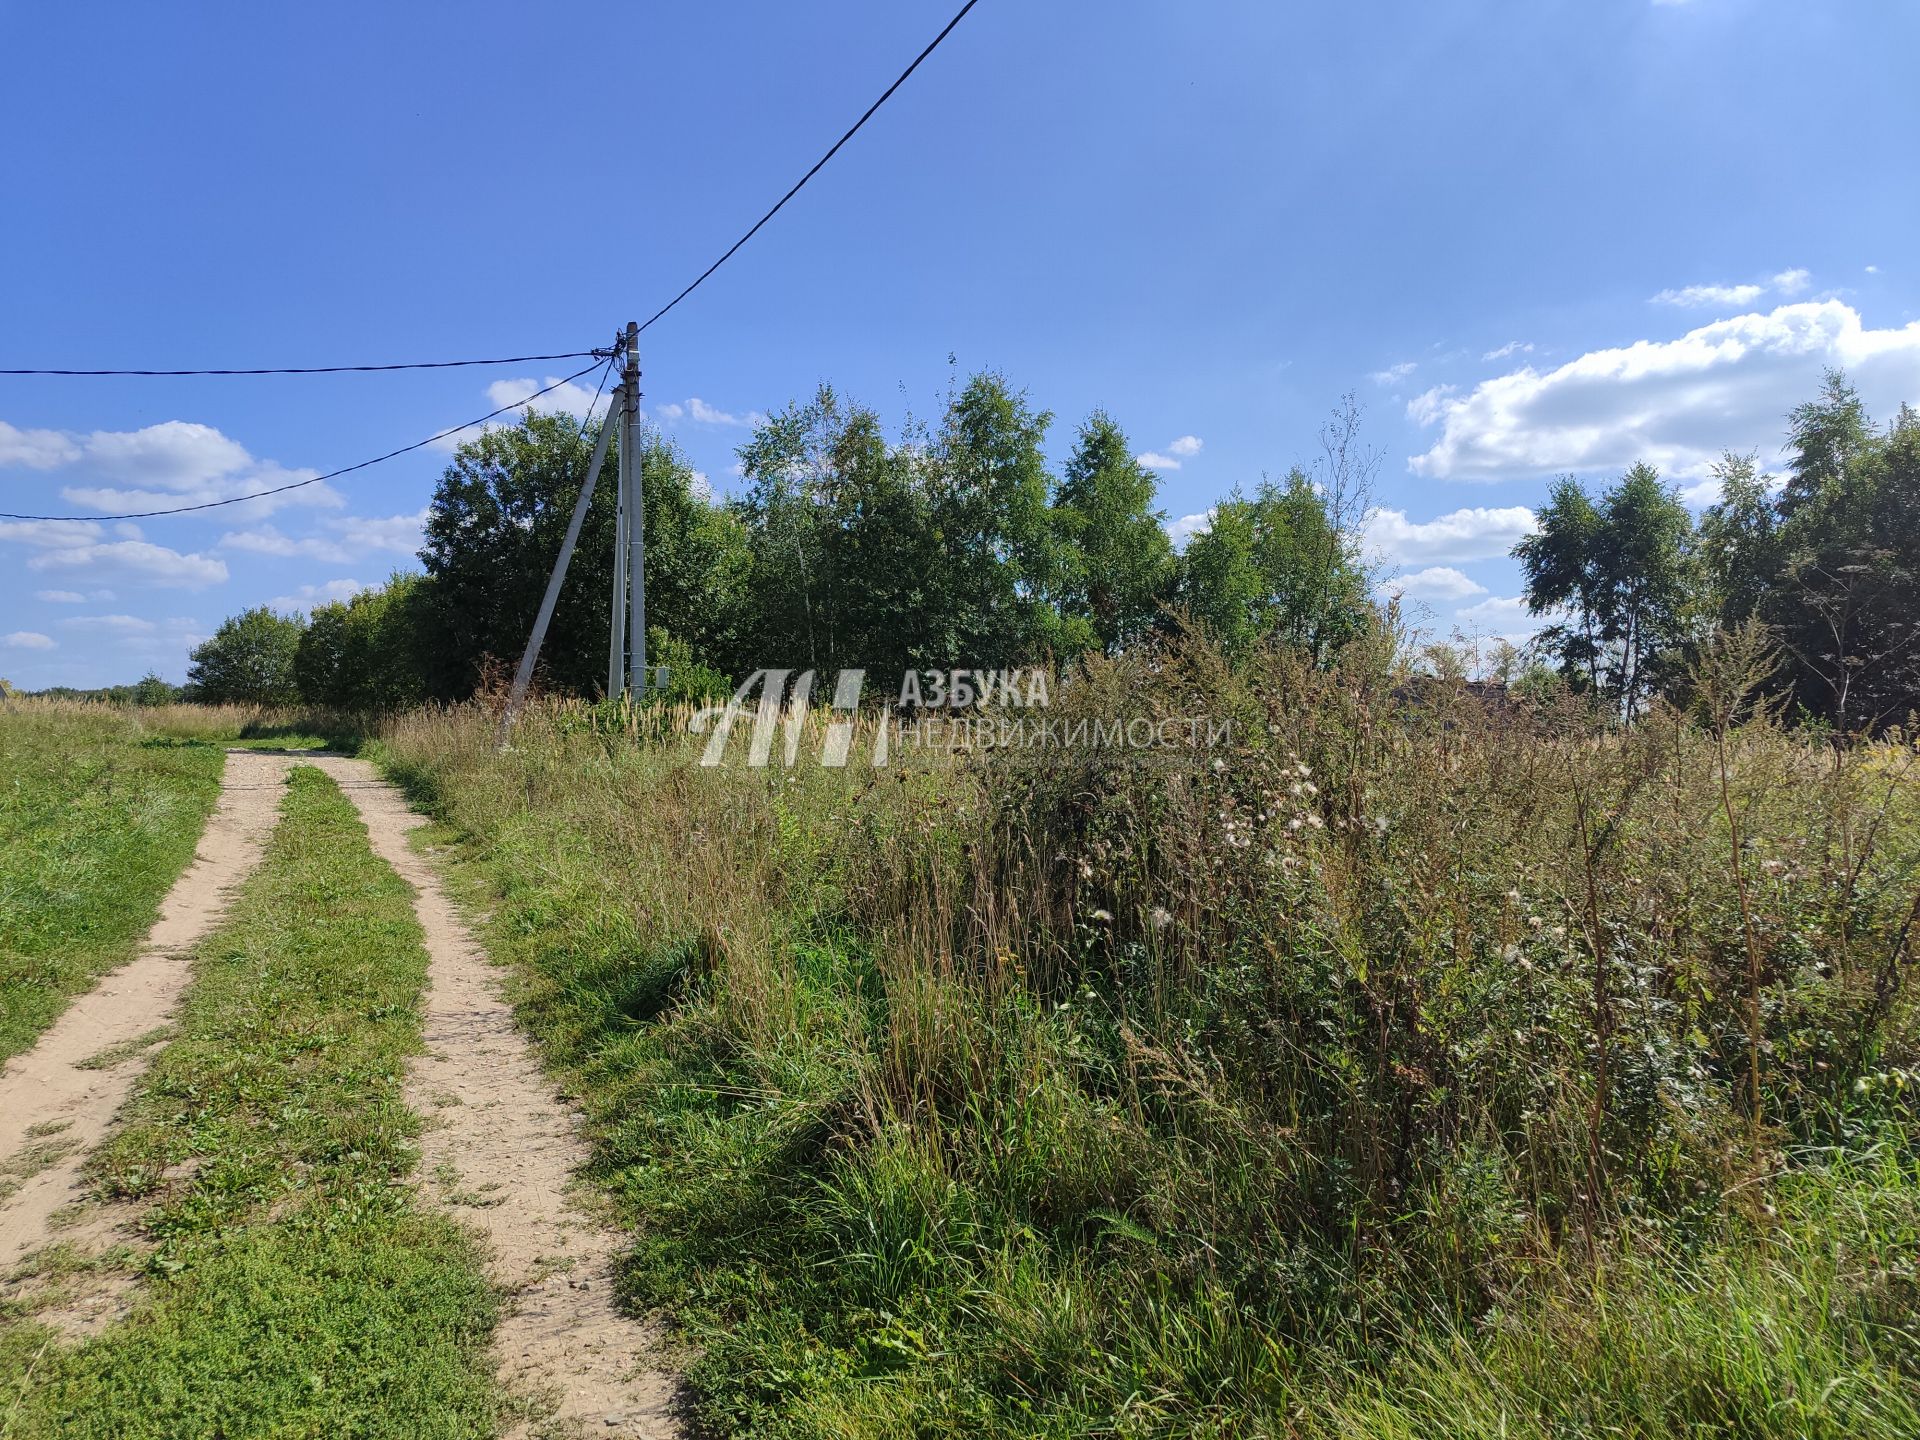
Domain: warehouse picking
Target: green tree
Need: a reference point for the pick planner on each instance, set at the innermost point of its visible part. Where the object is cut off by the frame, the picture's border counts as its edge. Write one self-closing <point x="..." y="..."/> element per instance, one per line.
<point x="999" y="561"/>
<point x="845" y="556"/>
<point x="248" y="661"/>
<point x="1624" y="572"/>
<point x="495" y="528"/>
<point x="151" y="690"/>
<point x="1827" y="439"/>
<point x="367" y="653"/>
<point x="1564" y="573"/>
<point x="1276" y="567"/>
<point x="1219" y="576"/>
<point x="1118" y="563"/>
<point x="1739" y="541"/>
<point x="1847" y="602"/>
<point x="938" y="551"/>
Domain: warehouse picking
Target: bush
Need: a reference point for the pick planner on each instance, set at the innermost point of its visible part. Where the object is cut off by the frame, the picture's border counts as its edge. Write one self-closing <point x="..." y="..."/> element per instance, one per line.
<point x="1279" y="1087"/>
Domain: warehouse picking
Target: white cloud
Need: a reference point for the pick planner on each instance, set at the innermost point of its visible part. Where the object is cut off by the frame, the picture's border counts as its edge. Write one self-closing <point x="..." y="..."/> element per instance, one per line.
<point x="400" y="534"/>
<point x="49" y="533"/>
<point x="1476" y="533"/>
<point x="36" y="449"/>
<point x="1873" y="269"/>
<point x="1394" y="374"/>
<point x="137" y="561"/>
<point x="1691" y="296"/>
<point x="354" y="536"/>
<point x="1511" y="348"/>
<point x="1436" y="582"/>
<point x="569" y="399"/>
<point x="266" y="476"/>
<point x="308" y="596"/>
<point x="1786" y="284"/>
<point x="27" y="640"/>
<point x="702" y="413"/>
<point x="1675" y="403"/>
<point x="268" y="540"/>
<point x="116" y="624"/>
<point x="176" y="462"/>
<point x="1503" y="618"/>
<point x="1503" y="609"/>
<point x="175" y="454"/>
<point x="60" y="597"/>
<point x="135" y="639"/>
<point x="1183" y="447"/>
<point x="702" y="485"/>
<point x="1187" y="526"/>
<point x="706" y="414"/>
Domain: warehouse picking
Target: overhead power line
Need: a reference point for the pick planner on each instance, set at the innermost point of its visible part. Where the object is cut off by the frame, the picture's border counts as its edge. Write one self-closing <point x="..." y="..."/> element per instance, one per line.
<point x="348" y="470"/>
<point x="337" y="369"/>
<point x="886" y="95"/>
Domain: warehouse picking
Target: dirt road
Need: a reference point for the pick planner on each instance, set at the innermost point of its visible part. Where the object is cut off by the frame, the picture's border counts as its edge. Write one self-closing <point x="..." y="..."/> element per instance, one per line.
<point x="502" y="1151"/>
<point x="58" y="1100"/>
<point x="499" y="1151"/>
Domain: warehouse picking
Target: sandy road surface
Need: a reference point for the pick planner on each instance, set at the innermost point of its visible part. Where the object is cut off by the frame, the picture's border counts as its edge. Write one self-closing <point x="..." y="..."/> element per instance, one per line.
<point x="50" y="1099"/>
<point x="501" y="1151"/>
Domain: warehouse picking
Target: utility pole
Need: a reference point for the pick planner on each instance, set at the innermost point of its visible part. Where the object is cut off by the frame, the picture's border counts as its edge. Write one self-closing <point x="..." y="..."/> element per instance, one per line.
<point x="634" y="495"/>
<point x="617" y="626"/>
<point x="523" y="676"/>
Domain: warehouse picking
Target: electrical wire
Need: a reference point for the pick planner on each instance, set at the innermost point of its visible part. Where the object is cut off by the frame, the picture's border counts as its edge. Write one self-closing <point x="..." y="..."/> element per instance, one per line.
<point x="604" y="369"/>
<point x="817" y="165"/>
<point x="335" y="369"/>
<point x="597" y="355"/>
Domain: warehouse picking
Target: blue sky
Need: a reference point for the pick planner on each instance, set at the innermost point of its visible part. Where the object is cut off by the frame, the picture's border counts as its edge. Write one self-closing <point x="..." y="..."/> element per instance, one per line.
<point x="1531" y="237"/>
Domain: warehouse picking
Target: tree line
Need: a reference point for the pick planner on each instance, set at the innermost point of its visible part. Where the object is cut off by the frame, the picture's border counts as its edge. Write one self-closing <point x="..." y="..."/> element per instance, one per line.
<point x="1825" y="557"/>
<point x="956" y="544"/>
<point x="953" y="544"/>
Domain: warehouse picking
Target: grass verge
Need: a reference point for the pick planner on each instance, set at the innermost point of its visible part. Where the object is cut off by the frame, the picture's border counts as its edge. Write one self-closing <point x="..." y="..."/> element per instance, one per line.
<point x="296" y="1288"/>
<point x="97" y="820"/>
<point x="1389" y="1076"/>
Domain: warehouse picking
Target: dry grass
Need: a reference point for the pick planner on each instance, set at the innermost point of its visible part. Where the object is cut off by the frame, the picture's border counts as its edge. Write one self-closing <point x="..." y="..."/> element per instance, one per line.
<point x="1097" y="1095"/>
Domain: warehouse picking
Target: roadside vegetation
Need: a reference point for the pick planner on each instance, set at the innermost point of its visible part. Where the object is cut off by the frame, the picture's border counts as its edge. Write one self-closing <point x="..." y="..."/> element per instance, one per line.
<point x="295" y="1286"/>
<point x="1517" y="1043"/>
<point x="98" y="816"/>
<point x="1416" y="1063"/>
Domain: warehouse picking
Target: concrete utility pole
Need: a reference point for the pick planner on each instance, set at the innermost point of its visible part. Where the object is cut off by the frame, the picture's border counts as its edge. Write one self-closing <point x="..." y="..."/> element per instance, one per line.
<point x="617" y="627"/>
<point x="523" y="676"/>
<point x="634" y="494"/>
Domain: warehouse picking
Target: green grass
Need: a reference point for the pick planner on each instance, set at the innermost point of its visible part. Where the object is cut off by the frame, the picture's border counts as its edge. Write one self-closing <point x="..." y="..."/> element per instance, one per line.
<point x="296" y="1287"/>
<point x="1805" y="1328"/>
<point x="1111" y="1101"/>
<point x="97" y="820"/>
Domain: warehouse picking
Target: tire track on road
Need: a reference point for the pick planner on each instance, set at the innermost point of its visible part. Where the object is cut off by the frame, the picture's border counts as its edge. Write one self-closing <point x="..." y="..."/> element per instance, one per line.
<point x="508" y="1151"/>
<point x="52" y="1100"/>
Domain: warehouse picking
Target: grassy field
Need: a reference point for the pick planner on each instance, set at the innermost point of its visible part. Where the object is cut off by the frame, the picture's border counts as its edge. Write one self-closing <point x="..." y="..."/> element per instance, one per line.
<point x="295" y="1287"/>
<point x="98" y="816"/>
<point x="1416" y="1068"/>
